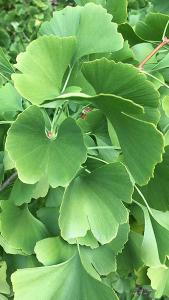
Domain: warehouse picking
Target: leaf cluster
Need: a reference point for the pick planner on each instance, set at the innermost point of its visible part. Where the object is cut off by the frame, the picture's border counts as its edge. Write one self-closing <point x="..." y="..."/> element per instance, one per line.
<point x="84" y="157"/>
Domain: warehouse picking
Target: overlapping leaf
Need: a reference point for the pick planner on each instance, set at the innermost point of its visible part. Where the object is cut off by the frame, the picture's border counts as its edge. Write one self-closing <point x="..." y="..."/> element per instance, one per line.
<point x="28" y="283"/>
<point x="19" y="228"/>
<point x="79" y="21"/>
<point x="130" y="258"/>
<point x="157" y="190"/>
<point x="6" y="68"/>
<point x="42" y="67"/>
<point x="4" y="286"/>
<point x="58" y="159"/>
<point x="88" y="196"/>
<point x="152" y="28"/>
<point x="102" y="260"/>
<point x="118" y="10"/>
<point x="21" y="192"/>
<point x="126" y="94"/>
<point x="159" y="277"/>
<point x="10" y="100"/>
<point x="156" y="235"/>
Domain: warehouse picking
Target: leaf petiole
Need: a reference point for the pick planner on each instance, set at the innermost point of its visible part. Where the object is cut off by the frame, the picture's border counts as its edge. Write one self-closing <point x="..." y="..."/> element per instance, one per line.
<point x="104" y="147"/>
<point x="6" y="122"/>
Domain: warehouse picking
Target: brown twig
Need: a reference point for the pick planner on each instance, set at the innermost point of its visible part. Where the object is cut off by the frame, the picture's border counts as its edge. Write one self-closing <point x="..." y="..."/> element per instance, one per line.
<point x="162" y="44"/>
<point x="8" y="181"/>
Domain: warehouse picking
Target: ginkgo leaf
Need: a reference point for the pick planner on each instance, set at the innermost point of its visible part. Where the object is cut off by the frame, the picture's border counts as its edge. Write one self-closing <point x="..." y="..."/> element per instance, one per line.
<point x="6" y="68"/>
<point x="159" y="277"/>
<point x="162" y="6"/>
<point x="103" y="258"/>
<point x="162" y="64"/>
<point x="87" y="240"/>
<point x="88" y="196"/>
<point x="130" y="258"/>
<point x="21" y="192"/>
<point x="129" y="34"/>
<point x="141" y="51"/>
<point x="49" y="217"/>
<point x="79" y="21"/>
<point x="54" y="197"/>
<point x="58" y="159"/>
<point x="99" y="261"/>
<point x="139" y="155"/>
<point x="156" y="235"/>
<point x="42" y="67"/>
<point x="20" y="228"/>
<point x="123" y="55"/>
<point x="128" y="83"/>
<point x="152" y="27"/>
<point x="10" y="100"/>
<point x="124" y="109"/>
<point x="118" y="9"/>
<point x="15" y="262"/>
<point x="53" y="250"/>
<point x="4" y="286"/>
<point x="156" y="191"/>
<point x="121" y="239"/>
<point x="68" y="281"/>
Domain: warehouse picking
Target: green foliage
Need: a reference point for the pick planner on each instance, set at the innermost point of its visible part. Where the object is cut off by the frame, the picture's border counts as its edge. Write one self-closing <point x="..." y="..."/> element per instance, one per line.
<point x="84" y="150"/>
<point x="19" y="22"/>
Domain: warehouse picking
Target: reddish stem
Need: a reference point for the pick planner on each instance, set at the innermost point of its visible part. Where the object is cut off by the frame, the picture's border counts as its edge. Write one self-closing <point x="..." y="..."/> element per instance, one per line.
<point x="162" y="44"/>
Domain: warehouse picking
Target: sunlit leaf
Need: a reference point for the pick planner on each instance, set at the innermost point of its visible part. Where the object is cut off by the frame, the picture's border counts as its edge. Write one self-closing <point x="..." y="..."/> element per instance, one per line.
<point x="42" y="67"/>
<point x="29" y="283"/>
<point x="10" y="100"/>
<point x="79" y="21"/>
<point x="159" y="277"/>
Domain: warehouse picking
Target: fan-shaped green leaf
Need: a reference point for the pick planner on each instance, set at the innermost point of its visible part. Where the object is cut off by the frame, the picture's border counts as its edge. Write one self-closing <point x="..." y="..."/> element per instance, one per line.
<point x="118" y="9"/>
<point x="29" y="283"/>
<point x="10" y="100"/>
<point x="103" y="258"/>
<point x="21" y="192"/>
<point x="20" y="228"/>
<point x="58" y="159"/>
<point x="80" y="21"/>
<point x="152" y="28"/>
<point x="156" y="191"/>
<point x="139" y="155"/>
<point x="42" y="67"/>
<point x="156" y="235"/>
<point x="129" y="87"/>
<point x="88" y="196"/>
<point x="159" y="277"/>
<point x="128" y="83"/>
<point x="53" y="250"/>
<point x="87" y="240"/>
<point x="130" y="259"/>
